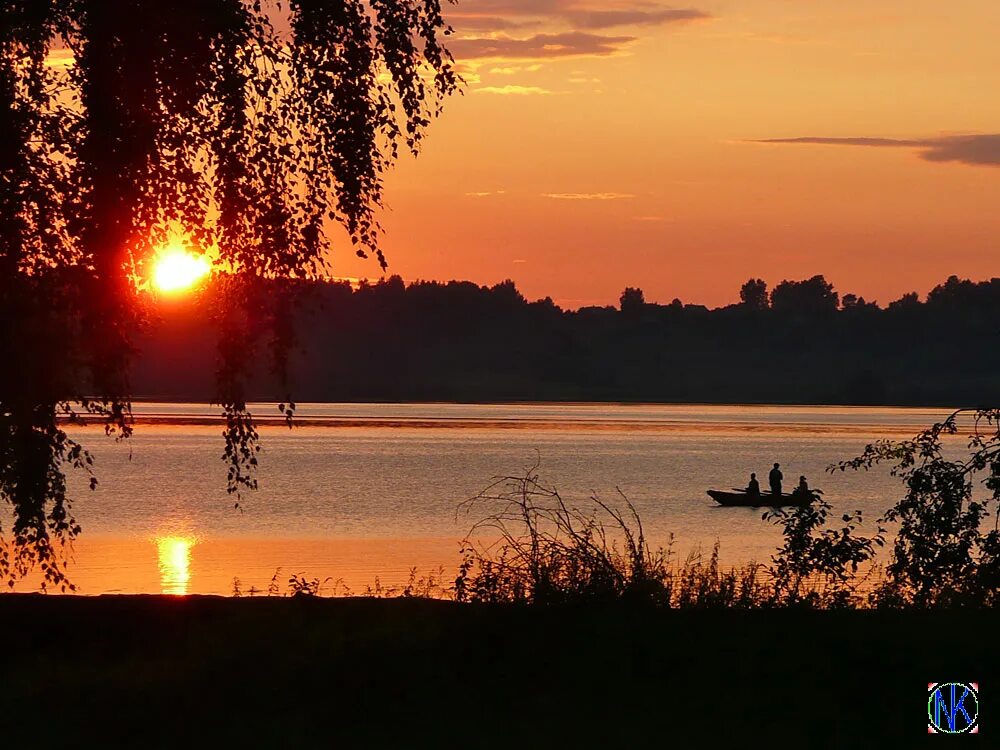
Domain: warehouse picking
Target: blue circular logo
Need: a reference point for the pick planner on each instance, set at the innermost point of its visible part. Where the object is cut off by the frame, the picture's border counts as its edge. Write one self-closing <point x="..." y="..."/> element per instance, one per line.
<point x="953" y="707"/>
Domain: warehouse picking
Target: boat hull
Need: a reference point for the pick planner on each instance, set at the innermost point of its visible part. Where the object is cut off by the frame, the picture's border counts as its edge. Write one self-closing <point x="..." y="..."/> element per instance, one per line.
<point x="764" y="499"/>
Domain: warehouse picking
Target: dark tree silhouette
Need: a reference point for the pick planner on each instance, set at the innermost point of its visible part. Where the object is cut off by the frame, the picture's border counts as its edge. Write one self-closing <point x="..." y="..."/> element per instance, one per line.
<point x="461" y="342"/>
<point x="242" y="125"/>
<point x="909" y="301"/>
<point x="631" y="301"/>
<point x="813" y="296"/>
<point x="753" y="294"/>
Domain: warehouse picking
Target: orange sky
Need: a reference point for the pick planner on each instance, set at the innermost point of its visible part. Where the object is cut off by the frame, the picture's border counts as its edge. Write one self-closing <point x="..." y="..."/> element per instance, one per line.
<point x="605" y="144"/>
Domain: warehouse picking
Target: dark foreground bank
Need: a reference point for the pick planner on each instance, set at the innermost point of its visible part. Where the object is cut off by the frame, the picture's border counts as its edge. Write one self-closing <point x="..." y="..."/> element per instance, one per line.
<point x="152" y="671"/>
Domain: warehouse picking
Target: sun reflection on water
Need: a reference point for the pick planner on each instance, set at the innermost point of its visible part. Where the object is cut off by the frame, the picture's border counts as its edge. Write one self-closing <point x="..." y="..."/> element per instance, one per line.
<point x="174" y="553"/>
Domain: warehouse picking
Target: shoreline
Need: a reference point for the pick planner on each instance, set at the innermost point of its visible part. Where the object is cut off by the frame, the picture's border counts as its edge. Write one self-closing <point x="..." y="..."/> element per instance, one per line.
<point x="549" y="416"/>
<point x="169" y="400"/>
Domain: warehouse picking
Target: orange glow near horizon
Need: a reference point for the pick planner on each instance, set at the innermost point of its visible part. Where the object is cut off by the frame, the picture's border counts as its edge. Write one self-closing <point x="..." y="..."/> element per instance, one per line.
<point x="590" y="153"/>
<point x="174" y="558"/>
<point x="176" y="269"/>
<point x="685" y="148"/>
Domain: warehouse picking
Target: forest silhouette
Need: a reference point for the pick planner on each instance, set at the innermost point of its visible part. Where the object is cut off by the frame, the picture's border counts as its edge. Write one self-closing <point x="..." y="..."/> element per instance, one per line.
<point x="801" y="342"/>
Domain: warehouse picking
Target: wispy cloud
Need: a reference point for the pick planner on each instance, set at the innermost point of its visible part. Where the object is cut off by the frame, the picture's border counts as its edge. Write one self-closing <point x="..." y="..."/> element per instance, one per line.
<point x="499" y="29"/>
<point x="490" y="23"/>
<point x="540" y="46"/>
<point x="504" y="15"/>
<point x="606" y="19"/>
<point x="513" y="90"/>
<point x="510" y="70"/>
<point x="769" y="37"/>
<point x="485" y="193"/>
<point x="977" y="150"/>
<point x="588" y="196"/>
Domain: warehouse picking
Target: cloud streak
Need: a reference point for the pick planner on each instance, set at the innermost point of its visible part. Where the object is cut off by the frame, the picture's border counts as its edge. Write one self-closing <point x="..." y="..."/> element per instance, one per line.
<point x="607" y="19"/>
<point x="540" y="46"/>
<point x="588" y="196"/>
<point x="497" y="15"/>
<point x="975" y="150"/>
<point x="513" y="90"/>
<point x="545" y="29"/>
<point x="490" y="23"/>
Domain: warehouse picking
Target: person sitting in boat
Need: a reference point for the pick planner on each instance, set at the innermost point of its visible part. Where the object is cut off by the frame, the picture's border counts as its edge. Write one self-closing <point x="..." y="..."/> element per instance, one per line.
<point x="753" y="488"/>
<point x="803" y="489"/>
<point x="774" y="479"/>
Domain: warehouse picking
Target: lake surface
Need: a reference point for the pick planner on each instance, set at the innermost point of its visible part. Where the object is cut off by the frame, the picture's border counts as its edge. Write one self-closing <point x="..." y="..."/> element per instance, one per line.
<point x="360" y="491"/>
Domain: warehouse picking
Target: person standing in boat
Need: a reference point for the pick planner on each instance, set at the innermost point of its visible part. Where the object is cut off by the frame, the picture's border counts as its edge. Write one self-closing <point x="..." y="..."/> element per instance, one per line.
<point x="753" y="488"/>
<point x="774" y="479"/>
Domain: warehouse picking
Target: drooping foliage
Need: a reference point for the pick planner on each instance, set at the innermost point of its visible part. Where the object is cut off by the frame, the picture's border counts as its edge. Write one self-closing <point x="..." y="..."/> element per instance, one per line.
<point x="247" y="128"/>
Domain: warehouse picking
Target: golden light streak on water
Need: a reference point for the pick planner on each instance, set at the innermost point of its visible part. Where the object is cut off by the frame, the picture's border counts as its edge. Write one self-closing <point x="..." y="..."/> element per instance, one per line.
<point x="174" y="555"/>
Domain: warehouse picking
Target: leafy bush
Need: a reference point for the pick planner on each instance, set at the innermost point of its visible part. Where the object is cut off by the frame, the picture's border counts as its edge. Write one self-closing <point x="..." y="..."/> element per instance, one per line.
<point x="941" y="555"/>
<point x="300" y="586"/>
<point x="818" y="566"/>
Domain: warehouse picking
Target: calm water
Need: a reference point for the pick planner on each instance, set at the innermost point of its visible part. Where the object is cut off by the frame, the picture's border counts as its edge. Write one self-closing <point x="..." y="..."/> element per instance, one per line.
<point x="360" y="491"/>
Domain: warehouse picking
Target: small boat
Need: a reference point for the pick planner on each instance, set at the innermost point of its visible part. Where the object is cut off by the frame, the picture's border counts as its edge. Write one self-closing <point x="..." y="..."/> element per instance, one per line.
<point x="742" y="497"/>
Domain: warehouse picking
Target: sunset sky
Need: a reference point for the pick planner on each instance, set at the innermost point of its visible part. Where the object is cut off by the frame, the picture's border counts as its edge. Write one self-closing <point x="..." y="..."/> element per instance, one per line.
<point x="605" y="144"/>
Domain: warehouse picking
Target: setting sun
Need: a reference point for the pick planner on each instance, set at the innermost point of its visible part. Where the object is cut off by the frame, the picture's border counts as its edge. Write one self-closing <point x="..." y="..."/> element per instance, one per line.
<point x="176" y="269"/>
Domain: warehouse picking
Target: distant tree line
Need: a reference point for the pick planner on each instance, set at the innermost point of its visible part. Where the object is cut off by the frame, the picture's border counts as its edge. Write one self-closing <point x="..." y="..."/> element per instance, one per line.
<point x="801" y="342"/>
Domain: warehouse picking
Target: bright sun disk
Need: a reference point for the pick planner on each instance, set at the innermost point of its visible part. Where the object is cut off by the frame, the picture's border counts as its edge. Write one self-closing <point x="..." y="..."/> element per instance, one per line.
<point x="177" y="269"/>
